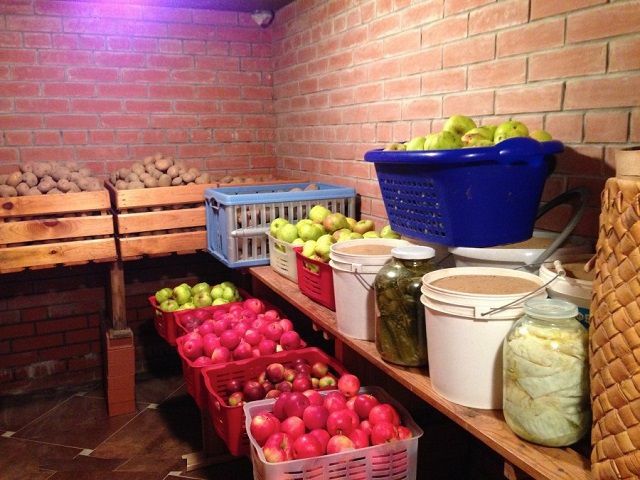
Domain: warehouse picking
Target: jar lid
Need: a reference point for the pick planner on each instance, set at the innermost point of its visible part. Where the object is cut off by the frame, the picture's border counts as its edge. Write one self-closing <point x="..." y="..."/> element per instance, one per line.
<point x="550" y="308"/>
<point x="413" y="252"/>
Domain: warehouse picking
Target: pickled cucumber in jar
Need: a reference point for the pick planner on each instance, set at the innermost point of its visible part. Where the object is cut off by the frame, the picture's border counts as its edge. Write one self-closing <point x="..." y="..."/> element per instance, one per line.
<point x="400" y="332"/>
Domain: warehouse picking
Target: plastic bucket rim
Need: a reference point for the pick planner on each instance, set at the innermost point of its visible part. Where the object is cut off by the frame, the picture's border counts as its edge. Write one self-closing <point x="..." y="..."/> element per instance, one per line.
<point x="336" y="254"/>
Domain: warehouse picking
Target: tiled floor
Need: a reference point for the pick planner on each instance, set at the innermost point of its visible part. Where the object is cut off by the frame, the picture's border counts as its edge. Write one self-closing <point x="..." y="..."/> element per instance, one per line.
<point x="68" y="435"/>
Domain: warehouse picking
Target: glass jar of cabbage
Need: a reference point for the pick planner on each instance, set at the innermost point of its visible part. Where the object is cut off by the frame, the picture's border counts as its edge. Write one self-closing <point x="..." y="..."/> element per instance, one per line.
<point x="546" y="374"/>
<point x="400" y="329"/>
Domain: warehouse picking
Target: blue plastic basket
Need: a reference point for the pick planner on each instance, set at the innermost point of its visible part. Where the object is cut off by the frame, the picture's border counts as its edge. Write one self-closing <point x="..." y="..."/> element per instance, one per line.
<point x="238" y="218"/>
<point x="470" y="197"/>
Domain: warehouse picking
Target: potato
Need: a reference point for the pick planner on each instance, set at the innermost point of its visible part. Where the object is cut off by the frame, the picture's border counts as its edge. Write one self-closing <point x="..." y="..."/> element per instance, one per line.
<point x="46" y="184"/>
<point x="64" y="185"/>
<point x="3" y="178"/>
<point x="226" y="179"/>
<point x="311" y="186"/>
<point x="84" y="172"/>
<point x="202" y="179"/>
<point x="176" y="181"/>
<point x="132" y="177"/>
<point x="74" y="188"/>
<point x="94" y="185"/>
<point x="60" y="173"/>
<point x="33" y="191"/>
<point x="150" y="182"/>
<point x="26" y="167"/>
<point x="54" y="191"/>
<point x="30" y="179"/>
<point x="22" y="188"/>
<point x="163" y="164"/>
<point x="14" y="179"/>
<point x="73" y="166"/>
<point x="150" y="167"/>
<point x="157" y="156"/>
<point x="122" y="185"/>
<point x="156" y="174"/>
<point x="148" y="160"/>
<point x="188" y="177"/>
<point x="8" y="191"/>
<point x="138" y="168"/>
<point x="135" y="185"/>
<point x="113" y="178"/>
<point x="172" y="171"/>
<point x="42" y="169"/>
<point x="84" y="183"/>
<point x="194" y="171"/>
<point x="144" y="176"/>
<point x="123" y="173"/>
<point x="164" y="180"/>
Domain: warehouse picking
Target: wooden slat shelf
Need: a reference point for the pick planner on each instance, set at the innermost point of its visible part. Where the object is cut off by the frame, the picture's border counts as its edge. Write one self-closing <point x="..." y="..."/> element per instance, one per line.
<point x="486" y="425"/>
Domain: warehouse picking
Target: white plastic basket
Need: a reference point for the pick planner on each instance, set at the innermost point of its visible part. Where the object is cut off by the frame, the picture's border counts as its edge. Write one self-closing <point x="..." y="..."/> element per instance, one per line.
<point x="282" y="258"/>
<point x="397" y="460"/>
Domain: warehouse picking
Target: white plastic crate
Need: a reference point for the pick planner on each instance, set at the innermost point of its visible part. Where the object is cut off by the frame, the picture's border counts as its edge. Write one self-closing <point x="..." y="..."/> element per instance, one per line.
<point x="282" y="258"/>
<point x="393" y="461"/>
<point x="238" y="218"/>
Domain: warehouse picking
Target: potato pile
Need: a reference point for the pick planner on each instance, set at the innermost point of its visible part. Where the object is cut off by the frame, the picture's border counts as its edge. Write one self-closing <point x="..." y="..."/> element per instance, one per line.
<point x="157" y="171"/>
<point x="48" y="178"/>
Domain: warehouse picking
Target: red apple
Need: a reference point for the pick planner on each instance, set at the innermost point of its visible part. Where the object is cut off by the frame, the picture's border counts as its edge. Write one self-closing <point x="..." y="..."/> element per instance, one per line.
<point x="279" y="404"/>
<point x="289" y="374"/>
<point x="349" y="385"/>
<point x="303" y="368"/>
<point x="209" y="342"/>
<point x="334" y="401"/>
<point x="323" y="436"/>
<point x="314" y="397"/>
<point x="319" y="369"/>
<point x="263" y="426"/>
<point x="284" y="386"/>
<point x="315" y="416"/>
<point x="202" y="361"/>
<point x="404" y="433"/>
<point x="295" y="404"/>
<point x="247" y="316"/>
<point x="273" y="331"/>
<point x="363" y="404"/>
<point x="360" y="438"/>
<point x="254" y="304"/>
<point x="242" y="351"/>
<point x="275" y="372"/>
<point x="327" y="381"/>
<point x="259" y="324"/>
<point x="205" y="327"/>
<point x="275" y="393"/>
<point x="339" y="443"/>
<point x="192" y="347"/>
<point x="236" y="399"/>
<point x="241" y="328"/>
<point x="301" y="382"/>
<point x="341" y="422"/>
<point x="277" y="448"/>
<point x="383" y="432"/>
<point x="292" y="426"/>
<point x="384" y="412"/>
<point x="252" y="337"/>
<point x="307" y="446"/>
<point x="230" y="339"/>
<point x="267" y="347"/>
<point x="350" y="403"/>
<point x="271" y="315"/>
<point x="233" y="385"/>
<point x="220" y="326"/>
<point x="365" y="426"/>
<point x="253" y="391"/>
<point x="290" y="340"/>
<point x="285" y="324"/>
<point x="220" y="355"/>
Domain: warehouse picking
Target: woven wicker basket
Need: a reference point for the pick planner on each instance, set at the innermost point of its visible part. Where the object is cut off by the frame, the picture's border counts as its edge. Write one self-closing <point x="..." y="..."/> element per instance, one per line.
<point x="615" y="335"/>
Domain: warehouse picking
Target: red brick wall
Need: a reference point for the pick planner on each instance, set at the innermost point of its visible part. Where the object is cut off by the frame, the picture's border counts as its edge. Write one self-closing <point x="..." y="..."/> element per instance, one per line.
<point x="352" y="76"/>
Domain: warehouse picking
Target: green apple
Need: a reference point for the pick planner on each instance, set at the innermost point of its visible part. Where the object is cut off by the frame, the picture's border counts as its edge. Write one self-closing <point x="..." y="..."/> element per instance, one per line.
<point x="182" y="293"/>
<point x="363" y="226"/>
<point x="335" y="221"/>
<point x="202" y="299"/>
<point x="444" y="140"/>
<point x="200" y="287"/>
<point x="416" y="143"/>
<point x="344" y="236"/>
<point x="323" y="246"/>
<point x="541" y="135"/>
<point x="276" y="224"/>
<point x="187" y="306"/>
<point x="395" y="147"/>
<point x="355" y="236"/>
<point x="326" y="238"/>
<point x="371" y="234"/>
<point x="510" y="129"/>
<point x="336" y="235"/>
<point x="169" y="305"/>
<point x="304" y="221"/>
<point x="219" y="301"/>
<point x="318" y="213"/>
<point x="311" y="231"/>
<point x="216" y="291"/>
<point x="492" y="129"/>
<point x="229" y="293"/>
<point x="459" y="125"/>
<point x="309" y="248"/>
<point x="477" y="137"/>
<point x="163" y="294"/>
<point x="352" y="222"/>
<point x="387" y="232"/>
<point x="297" y="242"/>
<point x="287" y="233"/>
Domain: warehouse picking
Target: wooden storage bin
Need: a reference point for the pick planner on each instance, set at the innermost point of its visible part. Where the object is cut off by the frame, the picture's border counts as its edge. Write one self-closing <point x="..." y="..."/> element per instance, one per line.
<point x="48" y="230"/>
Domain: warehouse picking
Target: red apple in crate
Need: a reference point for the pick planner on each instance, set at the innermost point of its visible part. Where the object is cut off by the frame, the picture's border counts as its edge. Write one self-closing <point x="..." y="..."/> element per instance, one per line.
<point x="323" y="436"/>
<point x="241" y="328"/>
<point x="242" y="351"/>
<point x="235" y="399"/>
<point x="307" y="446"/>
<point x="285" y="324"/>
<point x="315" y="416"/>
<point x="252" y="337"/>
<point x="264" y="425"/>
<point x="220" y="326"/>
<point x="384" y="412"/>
<point x="363" y="404"/>
<point x="314" y="397"/>
<point x="273" y="331"/>
<point x="365" y="426"/>
<point x="218" y="314"/>
<point x="334" y="401"/>
<point x="254" y="304"/>
<point x="235" y="308"/>
<point x="303" y="368"/>
<point x="275" y="372"/>
<point x="350" y="402"/>
<point x="383" y="432"/>
<point x="289" y="374"/>
<point x="247" y="316"/>
<point x="319" y="369"/>
<point x="278" y="405"/>
<point x="202" y="361"/>
<point x="339" y="443"/>
<point x="210" y="341"/>
<point x="205" y="327"/>
<point x="341" y="422"/>
<point x="201" y="314"/>
<point x="349" y="385"/>
<point x="233" y="385"/>
<point x="404" y="433"/>
<point x="262" y="377"/>
<point x="192" y="347"/>
<point x="253" y="391"/>
<point x="360" y="438"/>
<point x="284" y="386"/>
<point x="275" y="393"/>
<point x="259" y="324"/>
<point x="290" y="340"/>
<point x="271" y="315"/>
<point x="277" y="448"/>
<point x="295" y="404"/>
<point x="292" y="426"/>
<point x="267" y="347"/>
<point x="267" y="386"/>
<point x="301" y="382"/>
<point x="229" y="339"/>
<point x="221" y="355"/>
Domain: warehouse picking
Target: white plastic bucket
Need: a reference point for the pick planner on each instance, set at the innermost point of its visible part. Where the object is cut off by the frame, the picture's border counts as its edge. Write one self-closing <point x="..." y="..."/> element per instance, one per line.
<point x="353" y="277"/>
<point x="464" y="336"/>
<point x="569" y="288"/>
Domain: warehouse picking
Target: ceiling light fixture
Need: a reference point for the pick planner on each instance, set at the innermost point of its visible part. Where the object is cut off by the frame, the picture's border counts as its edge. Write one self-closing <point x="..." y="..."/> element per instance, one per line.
<point x="263" y="17"/>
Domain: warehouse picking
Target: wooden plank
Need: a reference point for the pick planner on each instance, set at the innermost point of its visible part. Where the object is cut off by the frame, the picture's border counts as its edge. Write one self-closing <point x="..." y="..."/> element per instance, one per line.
<point x="542" y="463"/>
<point x="54" y="204"/>
<point x="29" y="231"/>
<point x="162" y="220"/>
<point x="159" y="196"/>
<point x="52" y="254"/>
<point x="152" y="244"/>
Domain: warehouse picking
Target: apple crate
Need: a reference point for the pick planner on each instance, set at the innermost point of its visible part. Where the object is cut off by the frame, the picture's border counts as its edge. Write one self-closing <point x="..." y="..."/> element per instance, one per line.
<point x="238" y="218"/>
<point x="191" y="374"/>
<point x="315" y="280"/>
<point x="282" y="258"/>
<point x="397" y="460"/>
<point x="166" y="322"/>
<point x="48" y="230"/>
<point x="228" y="421"/>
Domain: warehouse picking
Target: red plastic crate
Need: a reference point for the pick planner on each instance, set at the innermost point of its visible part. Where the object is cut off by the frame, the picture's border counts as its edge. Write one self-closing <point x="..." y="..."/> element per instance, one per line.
<point x="229" y="421"/>
<point x="165" y="322"/>
<point x="315" y="280"/>
<point x="192" y="377"/>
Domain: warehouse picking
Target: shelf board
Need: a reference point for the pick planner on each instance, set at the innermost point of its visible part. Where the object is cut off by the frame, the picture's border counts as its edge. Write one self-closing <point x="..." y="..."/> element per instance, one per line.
<point x="543" y="463"/>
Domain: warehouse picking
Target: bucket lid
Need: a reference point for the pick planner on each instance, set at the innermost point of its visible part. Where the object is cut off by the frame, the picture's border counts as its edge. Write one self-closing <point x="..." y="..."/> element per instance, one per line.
<point x="550" y="308"/>
<point x="414" y="252"/>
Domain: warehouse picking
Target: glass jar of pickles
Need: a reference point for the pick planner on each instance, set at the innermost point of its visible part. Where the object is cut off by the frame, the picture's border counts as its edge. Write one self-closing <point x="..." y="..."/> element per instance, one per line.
<point x="400" y="325"/>
<point x="546" y="374"/>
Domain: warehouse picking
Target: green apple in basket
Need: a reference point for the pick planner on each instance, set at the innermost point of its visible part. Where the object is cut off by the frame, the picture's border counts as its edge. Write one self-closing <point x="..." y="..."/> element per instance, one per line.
<point x="187" y="306"/>
<point x="335" y="221"/>
<point x="458" y="125"/>
<point x="309" y="248"/>
<point x="310" y="231"/>
<point x="371" y="234"/>
<point x="318" y="213"/>
<point x="202" y="299"/>
<point x="297" y="242"/>
<point x="163" y="294"/>
<point x="416" y="143"/>
<point x="510" y="129"/>
<point x="387" y="232"/>
<point x="182" y="293"/>
<point x="276" y="224"/>
<point x="541" y="135"/>
<point x="364" y="226"/>
<point x="287" y="233"/>
<point x="169" y="305"/>
<point x="352" y="223"/>
<point x="200" y="287"/>
<point x="478" y="137"/>
<point x="444" y="140"/>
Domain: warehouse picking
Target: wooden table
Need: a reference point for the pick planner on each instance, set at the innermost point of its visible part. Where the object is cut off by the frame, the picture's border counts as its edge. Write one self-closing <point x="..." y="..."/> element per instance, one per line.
<point x="486" y="425"/>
